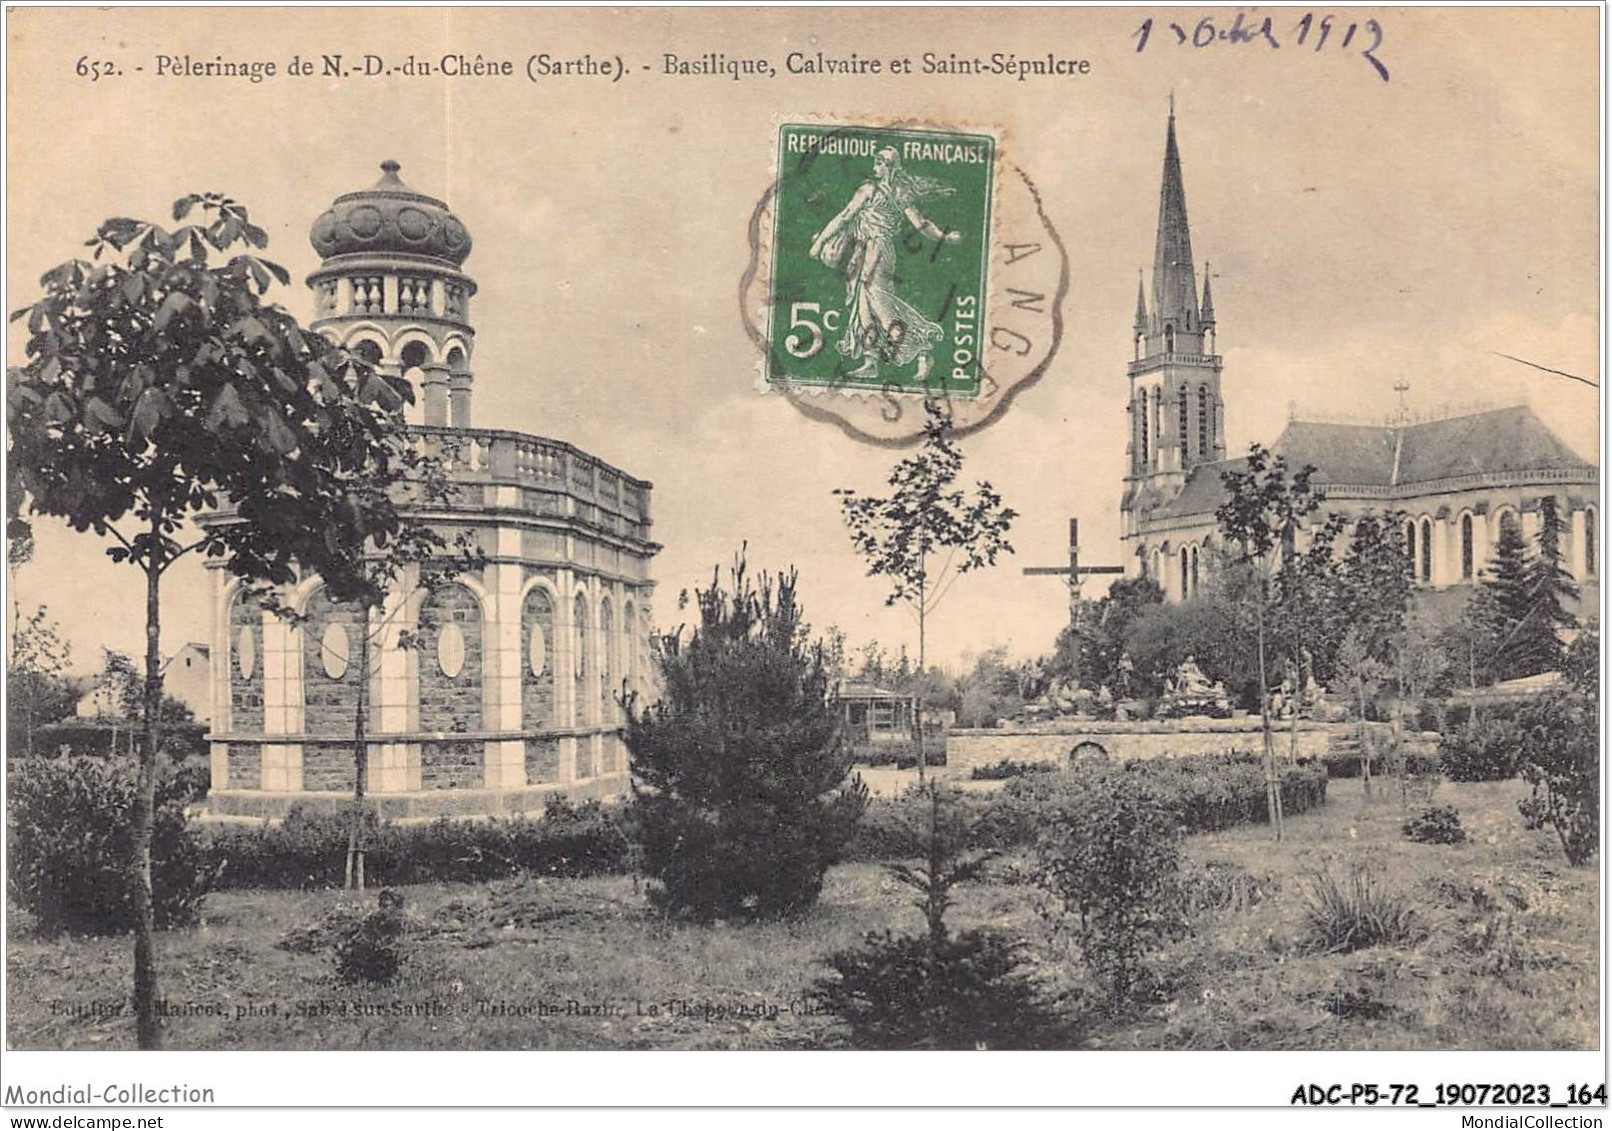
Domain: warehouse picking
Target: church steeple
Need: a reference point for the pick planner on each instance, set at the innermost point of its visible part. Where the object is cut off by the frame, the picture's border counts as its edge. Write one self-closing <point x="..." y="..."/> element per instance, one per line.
<point x="1175" y="289"/>
<point x="1141" y="306"/>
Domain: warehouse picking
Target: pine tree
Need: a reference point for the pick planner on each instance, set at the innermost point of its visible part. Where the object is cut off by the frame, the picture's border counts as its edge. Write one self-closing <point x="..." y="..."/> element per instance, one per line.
<point x="739" y="770"/>
<point x="1526" y="592"/>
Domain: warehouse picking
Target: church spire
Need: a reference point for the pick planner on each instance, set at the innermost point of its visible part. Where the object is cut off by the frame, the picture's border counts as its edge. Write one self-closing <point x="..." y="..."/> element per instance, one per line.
<point x="1208" y="299"/>
<point x="1175" y="290"/>
<point x="1141" y="306"/>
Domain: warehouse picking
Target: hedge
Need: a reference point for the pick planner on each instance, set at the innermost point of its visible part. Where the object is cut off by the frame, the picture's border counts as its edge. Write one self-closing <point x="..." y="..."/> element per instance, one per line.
<point x="308" y="849"/>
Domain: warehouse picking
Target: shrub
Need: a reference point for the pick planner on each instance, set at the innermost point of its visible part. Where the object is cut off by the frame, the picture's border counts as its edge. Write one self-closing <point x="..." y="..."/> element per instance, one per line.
<point x="1561" y="762"/>
<point x="1482" y="750"/>
<point x="95" y="737"/>
<point x="1343" y="915"/>
<point x="741" y="798"/>
<point x="1437" y="824"/>
<point x="371" y="950"/>
<point x="1111" y="856"/>
<point x="1007" y="768"/>
<point x="972" y="991"/>
<point x="1206" y="793"/>
<point x="70" y="850"/>
<point x="308" y="849"/>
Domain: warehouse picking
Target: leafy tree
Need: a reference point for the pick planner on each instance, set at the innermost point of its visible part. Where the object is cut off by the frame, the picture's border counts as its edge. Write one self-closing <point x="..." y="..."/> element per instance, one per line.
<point x="1362" y="673"/>
<point x="416" y="558"/>
<point x="36" y="693"/>
<point x="1207" y="628"/>
<point x="1561" y="761"/>
<point x="1111" y="856"/>
<point x="927" y="515"/>
<point x="1261" y="515"/>
<point x="1103" y="627"/>
<point x="739" y="770"/>
<point x="161" y="386"/>
<point x="1581" y="662"/>
<point x="1551" y="587"/>
<point x="1375" y="583"/>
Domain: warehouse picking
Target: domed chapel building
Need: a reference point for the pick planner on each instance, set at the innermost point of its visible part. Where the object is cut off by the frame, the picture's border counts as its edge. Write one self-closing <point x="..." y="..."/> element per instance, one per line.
<point x="509" y="692"/>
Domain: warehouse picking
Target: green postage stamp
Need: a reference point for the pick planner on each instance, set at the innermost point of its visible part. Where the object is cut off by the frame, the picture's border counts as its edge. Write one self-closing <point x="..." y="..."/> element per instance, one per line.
<point x="880" y="248"/>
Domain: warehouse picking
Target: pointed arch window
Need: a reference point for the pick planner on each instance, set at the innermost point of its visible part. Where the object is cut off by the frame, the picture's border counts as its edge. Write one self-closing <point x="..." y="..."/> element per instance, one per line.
<point x="1466" y="547"/>
<point x="1183" y="412"/>
<point x="1410" y="548"/>
<point x="1141" y="413"/>
<point x="1427" y="551"/>
<point x="1184" y="575"/>
<point x="1169" y="339"/>
<point x="1203" y="421"/>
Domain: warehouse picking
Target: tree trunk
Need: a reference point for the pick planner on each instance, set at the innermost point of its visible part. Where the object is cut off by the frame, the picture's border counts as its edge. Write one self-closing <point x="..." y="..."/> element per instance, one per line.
<point x="1365" y="739"/>
<point x="923" y="755"/>
<point x="1273" y="792"/>
<point x="147" y="1033"/>
<point x="355" y="834"/>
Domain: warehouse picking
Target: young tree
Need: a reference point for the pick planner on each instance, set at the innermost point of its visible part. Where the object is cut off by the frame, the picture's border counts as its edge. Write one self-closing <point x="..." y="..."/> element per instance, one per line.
<point x="415" y="559"/>
<point x="927" y="515"/>
<point x="160" y="384"/>
<point x="739" y="769"/>
<point x="1261" y="515"/>
<point x="36" y="693"/>
<point x="940" y="990"/>
<point x="1361" y="673"/>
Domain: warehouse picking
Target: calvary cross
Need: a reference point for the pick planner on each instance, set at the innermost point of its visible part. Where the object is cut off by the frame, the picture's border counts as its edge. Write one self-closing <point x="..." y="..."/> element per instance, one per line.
<point x="1075" y="572"/>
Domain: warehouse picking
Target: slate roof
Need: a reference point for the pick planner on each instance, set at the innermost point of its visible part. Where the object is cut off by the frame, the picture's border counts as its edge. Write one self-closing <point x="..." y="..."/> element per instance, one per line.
<point x="1487" y="443"/>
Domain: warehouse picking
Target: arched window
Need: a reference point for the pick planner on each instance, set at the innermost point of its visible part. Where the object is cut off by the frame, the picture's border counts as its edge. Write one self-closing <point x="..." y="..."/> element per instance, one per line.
<point x="369" y="351"/>
<point x="1184" y="566"/>
<point x="580" y="657"/>
<point x="1141" y="413"/>
<point x="1203" y="421"/>
<point x="1589" y="542"/>
<point x="1466" y="547"/>
<point x="1182" y="414"/>
<point x="1195" y="569"/>
<point x="1427" y="550"/>
<point x="1410" y="547"/>
<point x="1158" y="416"/>
<point x="1169" y="339"/>
<point x="607" y="704"/>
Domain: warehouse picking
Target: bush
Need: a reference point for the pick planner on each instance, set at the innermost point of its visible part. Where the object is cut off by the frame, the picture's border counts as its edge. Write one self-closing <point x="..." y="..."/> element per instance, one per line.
<point x="1561" y="761"/>
<point x="1438" y="824"/>
<point x="308" y="849"/>
<point x="94" y="737"/>
<point x="70" y="852"/>
<point x="1111" y="856"/>
<point x="972" y="991"/>
<point x="1007" y="768"/>
<point x="371" y="951"/>
<point x="741" y="794"/>
<point x="1482" y="750"/>
<point x="1207" y="792"/>
<point x="1356" y="913"/>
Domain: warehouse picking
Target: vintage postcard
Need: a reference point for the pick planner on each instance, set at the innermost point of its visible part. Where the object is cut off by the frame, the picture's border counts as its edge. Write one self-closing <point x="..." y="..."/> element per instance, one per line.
<point x="784" y="529"/>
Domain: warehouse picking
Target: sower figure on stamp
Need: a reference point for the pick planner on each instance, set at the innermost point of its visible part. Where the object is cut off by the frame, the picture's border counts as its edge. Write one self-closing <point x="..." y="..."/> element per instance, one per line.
<point x="860" y="243"/>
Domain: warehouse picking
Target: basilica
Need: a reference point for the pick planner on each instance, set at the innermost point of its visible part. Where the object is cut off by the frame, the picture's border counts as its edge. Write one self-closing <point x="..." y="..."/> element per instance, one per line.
<point x="1453" y="482"/>
<point x="505" y="687"/>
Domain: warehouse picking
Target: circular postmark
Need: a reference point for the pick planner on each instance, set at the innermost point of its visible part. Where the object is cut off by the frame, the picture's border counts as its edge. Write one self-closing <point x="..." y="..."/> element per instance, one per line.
<point x="897" y="265"/>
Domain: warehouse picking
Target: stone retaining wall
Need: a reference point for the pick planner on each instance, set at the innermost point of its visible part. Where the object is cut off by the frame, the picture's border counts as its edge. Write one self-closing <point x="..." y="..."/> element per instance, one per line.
<point x="967" y="750"/>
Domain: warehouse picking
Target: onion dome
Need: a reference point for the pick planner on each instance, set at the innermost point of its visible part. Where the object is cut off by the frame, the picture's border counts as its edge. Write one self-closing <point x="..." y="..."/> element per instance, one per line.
<point x="391" y="219"/>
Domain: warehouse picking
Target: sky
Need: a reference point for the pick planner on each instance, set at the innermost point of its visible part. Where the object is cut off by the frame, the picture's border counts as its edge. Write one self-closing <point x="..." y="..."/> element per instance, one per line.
<point x="1360" y="233"/>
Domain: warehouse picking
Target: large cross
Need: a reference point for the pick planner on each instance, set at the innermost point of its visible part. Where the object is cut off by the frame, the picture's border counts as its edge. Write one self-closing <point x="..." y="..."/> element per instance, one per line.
<point x="1075" y="572"/>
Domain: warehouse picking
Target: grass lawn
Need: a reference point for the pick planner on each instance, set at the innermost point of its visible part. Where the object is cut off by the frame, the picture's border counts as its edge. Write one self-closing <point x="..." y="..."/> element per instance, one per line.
<point x="1506" y="957"/>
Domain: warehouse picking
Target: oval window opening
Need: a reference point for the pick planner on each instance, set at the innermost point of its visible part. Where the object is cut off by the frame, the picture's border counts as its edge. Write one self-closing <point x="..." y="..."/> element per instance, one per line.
<point x="246" y="652"/>
<point x="451" y="650"/>
<point x="333" y="650"/>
